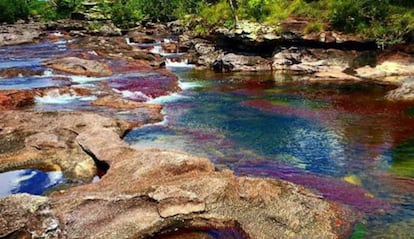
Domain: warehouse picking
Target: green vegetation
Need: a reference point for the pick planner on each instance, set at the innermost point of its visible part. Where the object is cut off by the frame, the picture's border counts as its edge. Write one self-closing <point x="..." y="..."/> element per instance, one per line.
<point x="388" y="21"/>
<point x="13" y="10"/>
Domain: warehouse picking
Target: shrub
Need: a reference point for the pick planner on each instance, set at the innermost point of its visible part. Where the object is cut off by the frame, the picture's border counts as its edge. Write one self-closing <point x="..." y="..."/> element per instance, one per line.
<point x="13" y="10"/>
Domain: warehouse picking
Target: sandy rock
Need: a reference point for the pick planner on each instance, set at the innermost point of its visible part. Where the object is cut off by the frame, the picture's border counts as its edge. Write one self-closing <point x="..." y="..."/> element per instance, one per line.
<point x="15" y="72"/>
<point x="78" y="66"/>
<point x="151" y="192"/>
<point x="403" y="92"/>
<point x="233" y="62"/>
<point x="16" y="99"/>
<point x="49" y="141"/>
<point x="28" y="216"/>
<point x="19" y="34"/>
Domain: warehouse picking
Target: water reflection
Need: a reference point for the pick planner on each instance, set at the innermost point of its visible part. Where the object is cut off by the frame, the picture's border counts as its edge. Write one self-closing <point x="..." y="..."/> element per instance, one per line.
<point x="28" y="181"/>
<point x="346" y="141"/>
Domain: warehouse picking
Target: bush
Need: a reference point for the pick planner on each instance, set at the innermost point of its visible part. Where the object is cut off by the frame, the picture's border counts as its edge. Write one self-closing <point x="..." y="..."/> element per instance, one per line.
<point x="13" y="10"/>
<point x="353" y="16"/>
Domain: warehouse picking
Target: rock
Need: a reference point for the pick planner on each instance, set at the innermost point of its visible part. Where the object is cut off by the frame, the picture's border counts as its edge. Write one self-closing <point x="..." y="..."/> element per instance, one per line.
<point x="16" y="72"/>
<point x="16" y="99"/>
<point x="388" y="71"/>
<point x="403" y="92"/>
<point x="233" y="62"/>
<point x="316" y="64"/>
<point x="392" y="66"/>
<point x="145" y="112"/>
<point x="20" y="34"/>
<point x="152" y="192"/>
<point x="27" y="216"/>
<point x="137" y="37"/>
<point x="262" y="39"/>
<point x="78" y="66"/>
<point x="170" y="47"/>
<point x="144" y="88"/>
<point x="50" y="142"/>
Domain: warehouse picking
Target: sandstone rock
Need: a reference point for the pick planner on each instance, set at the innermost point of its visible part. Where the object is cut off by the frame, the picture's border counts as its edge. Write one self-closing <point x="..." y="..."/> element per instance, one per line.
<point x="16" y="99"/>
<point x="50" y="142"/>
<point x="233" y="62"/>
<point x="19" y="34"/>
<point x="15" y="72"/>
<point x="119" y="103"/>
<point x="388" y="71"/>
<point x="404" y="92"/>
<point x="27" y="216"/>
<point x="152" y="192"/>
<point x="141" y="38"/>
<point x="78" y="66"/>
<point x="317" y="64"/>
<point x="170" y="47"/>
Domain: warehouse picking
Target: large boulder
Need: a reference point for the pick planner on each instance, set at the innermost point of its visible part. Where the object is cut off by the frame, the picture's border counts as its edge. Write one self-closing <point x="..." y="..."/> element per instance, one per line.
<point x="152" y="192"/>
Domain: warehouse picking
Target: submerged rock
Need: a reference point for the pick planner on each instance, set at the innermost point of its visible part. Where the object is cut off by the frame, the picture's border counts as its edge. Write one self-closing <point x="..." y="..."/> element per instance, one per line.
<point x="150" y="192"/>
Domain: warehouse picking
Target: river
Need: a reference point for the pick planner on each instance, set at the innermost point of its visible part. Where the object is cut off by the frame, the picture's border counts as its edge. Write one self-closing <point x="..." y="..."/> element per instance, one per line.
<point x="344" y="141"/>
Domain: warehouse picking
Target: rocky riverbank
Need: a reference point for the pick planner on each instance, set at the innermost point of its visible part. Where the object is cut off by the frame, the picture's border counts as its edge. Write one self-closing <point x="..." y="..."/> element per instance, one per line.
<point x="146" y="193"/>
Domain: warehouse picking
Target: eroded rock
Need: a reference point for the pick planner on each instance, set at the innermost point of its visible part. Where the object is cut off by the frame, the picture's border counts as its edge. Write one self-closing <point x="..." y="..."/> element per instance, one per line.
<point x="148" y="192"/>
<point x="20" y="34"/>
<point x="16" y="99"/>
<point x="50" y="142"/>
<point x="233" y="62"/>
<point x="78" y="66"/>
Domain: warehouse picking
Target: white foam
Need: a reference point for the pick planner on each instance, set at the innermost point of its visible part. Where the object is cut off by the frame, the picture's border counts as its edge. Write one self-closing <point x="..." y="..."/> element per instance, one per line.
<point x="157" y="50"/>
<point x="178" y="64"/>
<point x="134" y="95"/>
<point x="54" y="97"/>
<point x="188" y="85"/>
<point x="85" y="79"/>
<point x="167" y="98"/>
<point x="48" y="73"/>
<point x="58" y="34"/>
<point x="54" y="178"/>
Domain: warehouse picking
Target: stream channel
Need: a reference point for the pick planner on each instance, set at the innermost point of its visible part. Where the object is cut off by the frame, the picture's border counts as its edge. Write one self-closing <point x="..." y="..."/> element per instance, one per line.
<point x="344" y="141"/>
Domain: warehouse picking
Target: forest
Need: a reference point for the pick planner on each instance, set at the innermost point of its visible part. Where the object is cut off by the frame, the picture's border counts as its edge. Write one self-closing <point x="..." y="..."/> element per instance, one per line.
<point x="389" y="20"/>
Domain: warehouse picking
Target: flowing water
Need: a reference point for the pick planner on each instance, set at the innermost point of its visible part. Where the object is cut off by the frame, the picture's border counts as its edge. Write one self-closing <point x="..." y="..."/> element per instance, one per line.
<point x="344" y="141"/>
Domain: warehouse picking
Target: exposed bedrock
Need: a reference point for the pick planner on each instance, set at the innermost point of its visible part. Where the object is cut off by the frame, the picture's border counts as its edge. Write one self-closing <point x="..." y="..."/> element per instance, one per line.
<point x="149" y="192"/>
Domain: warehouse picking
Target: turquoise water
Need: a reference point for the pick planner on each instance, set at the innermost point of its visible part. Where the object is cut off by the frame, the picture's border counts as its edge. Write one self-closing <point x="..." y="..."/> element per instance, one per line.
<point x="344" y="141"/>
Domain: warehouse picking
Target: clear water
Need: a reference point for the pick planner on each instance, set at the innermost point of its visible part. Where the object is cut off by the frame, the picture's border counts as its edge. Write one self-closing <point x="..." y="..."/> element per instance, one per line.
<point x="344" y="141"/>
<point x="29" y="181"/>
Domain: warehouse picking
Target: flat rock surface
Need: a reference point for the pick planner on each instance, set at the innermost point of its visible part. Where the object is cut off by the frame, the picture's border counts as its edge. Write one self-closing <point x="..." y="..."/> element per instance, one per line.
<point x="152" y="192"/>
